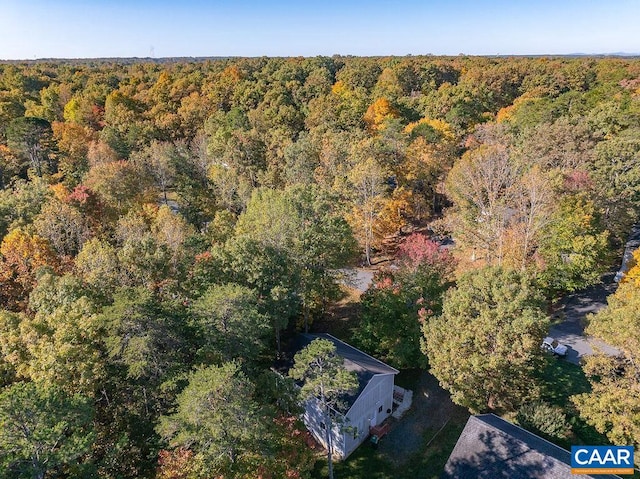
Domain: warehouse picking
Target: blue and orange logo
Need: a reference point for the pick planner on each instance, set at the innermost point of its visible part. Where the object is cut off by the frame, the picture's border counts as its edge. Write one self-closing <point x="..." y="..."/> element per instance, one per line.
<point x="602" y="459"/>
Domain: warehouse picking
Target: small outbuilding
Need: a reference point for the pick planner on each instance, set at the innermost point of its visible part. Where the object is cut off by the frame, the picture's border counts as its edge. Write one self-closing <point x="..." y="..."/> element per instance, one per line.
<point x="371" y="404"/>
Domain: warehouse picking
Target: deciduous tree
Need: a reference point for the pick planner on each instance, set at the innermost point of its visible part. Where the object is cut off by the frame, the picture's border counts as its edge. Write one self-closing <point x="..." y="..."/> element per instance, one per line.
<point x="217" y="418"/>
<point x="573" y="248"/>
<point x="32" y="139"/>
<point x="400" y="303"/>
<point x="485" y="347"/>
<point x="42" y="430"/>
<point x="230" y="324"/>
<point x="367" y="180"/>
<point x="613" y="404"/>
<point x="22" y="255"/>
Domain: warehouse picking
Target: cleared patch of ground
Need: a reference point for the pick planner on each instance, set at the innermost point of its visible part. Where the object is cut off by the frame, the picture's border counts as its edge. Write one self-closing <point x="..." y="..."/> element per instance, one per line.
<point x="431" y="410"/>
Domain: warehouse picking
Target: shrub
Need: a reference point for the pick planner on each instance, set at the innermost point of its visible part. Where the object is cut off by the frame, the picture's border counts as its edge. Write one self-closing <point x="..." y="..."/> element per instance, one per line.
<point x="544" y="419"/>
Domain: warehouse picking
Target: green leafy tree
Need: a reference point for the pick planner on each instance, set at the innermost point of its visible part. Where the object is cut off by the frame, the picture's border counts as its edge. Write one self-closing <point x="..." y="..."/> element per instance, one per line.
<point x="217" y="418"/>
<point x="400" y="302"/>
<point x="574" y="248"/>
<point x="61" y="344"/>
<point x="324" y="242"/>
<point x="11" y="107"/>
<point x="324" y="379"/>
<point x="544" y="419"/>
<point x="42" y="431"/>
<point x="98" y="266"/>
<point x="616" y="176"/>
<point x="195" y="192"/>
<point x="304" y="222"/>
<point x="20" y="204"/>
<point x="143" y="335"/>
<point x="144" y="255"/>
<point x="613" y="404"/>
<point x="485" y="347"/>
<point x="119" y="185"/>
<point x="263" y="268"/>
<point x="230" y="323"/>
<point x="32" y="139"/>
<point x="148" y="345"/>
<point x="395" y="309"/>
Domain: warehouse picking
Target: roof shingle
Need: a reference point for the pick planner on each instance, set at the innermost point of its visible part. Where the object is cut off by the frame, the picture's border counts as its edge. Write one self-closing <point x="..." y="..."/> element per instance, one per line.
<point x="492" y="448"/>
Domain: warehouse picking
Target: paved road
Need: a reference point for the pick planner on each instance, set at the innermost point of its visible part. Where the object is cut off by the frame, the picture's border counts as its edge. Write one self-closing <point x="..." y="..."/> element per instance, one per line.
<point x="575" y="308"/>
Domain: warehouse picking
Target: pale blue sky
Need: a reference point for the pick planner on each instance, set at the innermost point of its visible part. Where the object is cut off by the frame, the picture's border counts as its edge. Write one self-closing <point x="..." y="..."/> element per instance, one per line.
<point x="141" y="28"/>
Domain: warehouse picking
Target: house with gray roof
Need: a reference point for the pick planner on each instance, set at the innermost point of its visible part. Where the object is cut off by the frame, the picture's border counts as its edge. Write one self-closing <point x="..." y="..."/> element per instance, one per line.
<point x="368" y="407"/>
<point x="492" y="448"/>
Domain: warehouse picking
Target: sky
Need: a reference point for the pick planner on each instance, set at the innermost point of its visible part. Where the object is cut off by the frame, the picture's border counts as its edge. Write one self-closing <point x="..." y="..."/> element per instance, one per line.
<point x="31" y="29"/>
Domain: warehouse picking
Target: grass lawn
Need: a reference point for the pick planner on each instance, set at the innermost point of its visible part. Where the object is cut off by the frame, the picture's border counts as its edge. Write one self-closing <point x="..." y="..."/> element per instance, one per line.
<point x="564" y="379"/>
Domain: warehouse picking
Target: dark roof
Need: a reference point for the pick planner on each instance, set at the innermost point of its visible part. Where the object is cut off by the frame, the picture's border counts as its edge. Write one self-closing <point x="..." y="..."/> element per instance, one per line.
<point x="492" y="448"/>
<point x="361" y="363"/>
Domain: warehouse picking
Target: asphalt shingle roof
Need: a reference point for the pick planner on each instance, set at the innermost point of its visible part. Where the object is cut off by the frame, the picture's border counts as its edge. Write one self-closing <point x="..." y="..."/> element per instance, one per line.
<point x="492" y="448"/>
<point x="361" y="363"/>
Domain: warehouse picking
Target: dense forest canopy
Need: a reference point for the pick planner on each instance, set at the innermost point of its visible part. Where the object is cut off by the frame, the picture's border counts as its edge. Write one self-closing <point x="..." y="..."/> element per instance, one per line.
<point x="163" y="225"/>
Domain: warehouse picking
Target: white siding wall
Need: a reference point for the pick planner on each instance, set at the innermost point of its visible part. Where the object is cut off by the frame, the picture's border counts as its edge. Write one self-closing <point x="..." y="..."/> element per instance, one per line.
<point x="355" y="428"/>
<point x="378" y="393"/>
<point x="314" y="418"/>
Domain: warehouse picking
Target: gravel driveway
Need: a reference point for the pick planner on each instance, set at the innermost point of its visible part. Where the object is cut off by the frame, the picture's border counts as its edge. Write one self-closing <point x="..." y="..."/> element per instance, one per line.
<point x="358" y="278"/>
<point x="431" y="409"/>
<point x="575" y="308"/>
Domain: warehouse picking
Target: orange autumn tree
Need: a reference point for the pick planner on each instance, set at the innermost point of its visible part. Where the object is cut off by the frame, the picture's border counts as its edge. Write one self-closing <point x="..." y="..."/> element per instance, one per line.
<point x="378" y="113"/>
<point x="22" y="255"/>
<point x="176" y="464"/>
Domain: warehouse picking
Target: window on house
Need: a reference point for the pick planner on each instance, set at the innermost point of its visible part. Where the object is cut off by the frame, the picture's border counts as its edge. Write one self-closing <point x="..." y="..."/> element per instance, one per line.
<point x="380" y="409"/>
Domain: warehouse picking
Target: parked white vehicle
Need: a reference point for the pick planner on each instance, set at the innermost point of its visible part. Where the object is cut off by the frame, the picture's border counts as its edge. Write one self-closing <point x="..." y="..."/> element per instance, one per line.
<point x="553" y="346"/>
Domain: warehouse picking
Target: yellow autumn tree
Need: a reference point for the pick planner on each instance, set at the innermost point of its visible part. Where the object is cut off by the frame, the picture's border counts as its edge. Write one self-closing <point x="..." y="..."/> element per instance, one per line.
<point x="506" y="113"/>
<point x="378" y="113"/>
<point x="633" y="270"/>
<point x="394" y="213"/>
<point x="367" y="187"/>
<point x="73" y="140"/>
<point x="427" y="160"/>
<point x="442" y="129"/>
<point x="22" y="255"/>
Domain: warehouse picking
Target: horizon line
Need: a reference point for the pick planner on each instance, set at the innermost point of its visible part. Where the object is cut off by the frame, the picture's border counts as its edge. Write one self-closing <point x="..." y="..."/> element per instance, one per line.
<point x="228" y="57"/>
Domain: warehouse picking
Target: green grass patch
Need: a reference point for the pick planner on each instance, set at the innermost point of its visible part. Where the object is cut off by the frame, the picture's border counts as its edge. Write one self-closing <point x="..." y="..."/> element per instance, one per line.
<point x="429" y="463"/>
<point x="562" y="379"/>
<point x="364" y="462"/>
